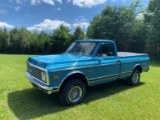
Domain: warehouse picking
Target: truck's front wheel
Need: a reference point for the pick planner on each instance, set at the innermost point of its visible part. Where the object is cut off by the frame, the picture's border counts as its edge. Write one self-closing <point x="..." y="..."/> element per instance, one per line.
<point x="72" y="92"/>
<point x="134" y="78"/>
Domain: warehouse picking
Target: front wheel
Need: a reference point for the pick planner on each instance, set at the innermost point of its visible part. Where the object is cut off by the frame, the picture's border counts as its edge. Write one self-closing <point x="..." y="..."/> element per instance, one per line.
<point x="134" y="78"/>
<point x="72" y="92"/>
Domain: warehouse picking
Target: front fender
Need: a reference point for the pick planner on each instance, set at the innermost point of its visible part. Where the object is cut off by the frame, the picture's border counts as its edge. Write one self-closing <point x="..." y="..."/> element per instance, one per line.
<point x="74" y="73"/>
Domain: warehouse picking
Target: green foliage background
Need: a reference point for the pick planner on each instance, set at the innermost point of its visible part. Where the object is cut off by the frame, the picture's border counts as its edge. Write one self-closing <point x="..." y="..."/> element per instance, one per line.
<point x="133" y="28"/>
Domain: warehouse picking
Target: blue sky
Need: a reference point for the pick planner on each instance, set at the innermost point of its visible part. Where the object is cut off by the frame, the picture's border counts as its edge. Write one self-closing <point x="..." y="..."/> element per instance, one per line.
<point x="48" y="15"/>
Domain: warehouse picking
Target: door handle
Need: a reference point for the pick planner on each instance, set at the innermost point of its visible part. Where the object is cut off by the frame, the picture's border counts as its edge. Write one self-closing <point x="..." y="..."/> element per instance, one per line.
<point x="118" y="61"/>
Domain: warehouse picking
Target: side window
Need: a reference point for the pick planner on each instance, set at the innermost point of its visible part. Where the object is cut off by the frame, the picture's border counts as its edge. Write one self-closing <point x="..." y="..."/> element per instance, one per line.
<point x="106" y="48"/>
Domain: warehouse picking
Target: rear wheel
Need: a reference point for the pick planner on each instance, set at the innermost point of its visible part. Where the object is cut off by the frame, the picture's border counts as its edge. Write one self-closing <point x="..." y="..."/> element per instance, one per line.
<point x="72" y="92"/>
<point x="134" y="78"/>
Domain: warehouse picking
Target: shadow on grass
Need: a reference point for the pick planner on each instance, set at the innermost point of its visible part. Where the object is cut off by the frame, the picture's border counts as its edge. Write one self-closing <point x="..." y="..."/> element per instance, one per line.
<point x="31" y="103"/>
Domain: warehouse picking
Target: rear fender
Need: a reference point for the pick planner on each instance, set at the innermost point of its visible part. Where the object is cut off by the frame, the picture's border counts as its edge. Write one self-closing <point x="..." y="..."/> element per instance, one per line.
<point x="138" y="67"/>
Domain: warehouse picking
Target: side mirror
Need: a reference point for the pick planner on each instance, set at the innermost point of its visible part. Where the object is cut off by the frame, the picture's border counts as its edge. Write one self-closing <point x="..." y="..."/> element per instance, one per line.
<point x="104" y="56"/>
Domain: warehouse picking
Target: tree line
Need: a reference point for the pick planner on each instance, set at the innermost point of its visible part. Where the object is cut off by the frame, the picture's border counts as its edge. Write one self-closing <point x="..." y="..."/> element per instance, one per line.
<point x="23" y="41"/>
<point x="131" y="27"/>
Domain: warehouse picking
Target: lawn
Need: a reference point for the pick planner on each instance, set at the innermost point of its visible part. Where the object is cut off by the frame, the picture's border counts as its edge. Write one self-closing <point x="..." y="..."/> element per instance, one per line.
<point x="111" y="101"/>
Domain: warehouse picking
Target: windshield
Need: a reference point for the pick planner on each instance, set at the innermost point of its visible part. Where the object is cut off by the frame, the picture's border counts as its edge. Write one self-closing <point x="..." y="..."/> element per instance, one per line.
<point x="81" y="48"/>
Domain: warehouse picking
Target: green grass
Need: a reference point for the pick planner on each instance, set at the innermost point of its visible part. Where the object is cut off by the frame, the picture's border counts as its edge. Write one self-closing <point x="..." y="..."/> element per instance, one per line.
<point x="112" y="101"/>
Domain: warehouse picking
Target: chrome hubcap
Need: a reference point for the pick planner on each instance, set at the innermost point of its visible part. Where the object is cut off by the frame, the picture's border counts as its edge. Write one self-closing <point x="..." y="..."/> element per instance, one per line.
<point x="135" y="77"/>
<point x="75" y="94"/>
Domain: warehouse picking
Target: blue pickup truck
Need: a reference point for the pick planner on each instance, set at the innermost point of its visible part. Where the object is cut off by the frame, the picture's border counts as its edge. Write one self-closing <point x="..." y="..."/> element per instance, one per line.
<point x="85" y="63"/>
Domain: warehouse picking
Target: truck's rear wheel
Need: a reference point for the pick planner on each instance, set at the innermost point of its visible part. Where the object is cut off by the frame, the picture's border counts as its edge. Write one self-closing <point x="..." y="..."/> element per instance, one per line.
<point x="134" y="78"/>
<point x="72" y="92"/>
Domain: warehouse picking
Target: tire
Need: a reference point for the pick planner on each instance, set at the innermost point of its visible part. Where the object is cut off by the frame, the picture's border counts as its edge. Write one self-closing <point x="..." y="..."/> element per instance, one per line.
<point x="134" y="79"/>
<point x="72" y="92"/>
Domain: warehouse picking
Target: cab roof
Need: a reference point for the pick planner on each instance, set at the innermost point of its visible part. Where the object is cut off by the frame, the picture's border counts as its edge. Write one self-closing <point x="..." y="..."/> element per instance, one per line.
<point x="95" y="40"/>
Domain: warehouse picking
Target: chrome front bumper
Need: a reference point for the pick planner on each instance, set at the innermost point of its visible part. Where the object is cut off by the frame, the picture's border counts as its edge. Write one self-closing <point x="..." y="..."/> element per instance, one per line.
<point x="145" y="70"/>
<point x="40" y="86"/>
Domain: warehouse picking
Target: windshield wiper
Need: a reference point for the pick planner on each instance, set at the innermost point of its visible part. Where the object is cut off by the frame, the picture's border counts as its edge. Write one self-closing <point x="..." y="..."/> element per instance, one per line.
<point x="73" y="53"/>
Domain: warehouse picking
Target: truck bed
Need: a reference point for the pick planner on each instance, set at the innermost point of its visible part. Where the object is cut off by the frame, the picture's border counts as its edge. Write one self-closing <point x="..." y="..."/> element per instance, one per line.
<point x="129" y="54"/>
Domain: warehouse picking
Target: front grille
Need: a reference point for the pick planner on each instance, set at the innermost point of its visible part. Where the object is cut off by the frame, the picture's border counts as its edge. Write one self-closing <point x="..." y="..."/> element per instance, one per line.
<point x="35" y="72"/>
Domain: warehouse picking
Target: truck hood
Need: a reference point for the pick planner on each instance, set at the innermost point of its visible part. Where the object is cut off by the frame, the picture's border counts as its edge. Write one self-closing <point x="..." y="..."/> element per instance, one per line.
<point x="48" y="61"/>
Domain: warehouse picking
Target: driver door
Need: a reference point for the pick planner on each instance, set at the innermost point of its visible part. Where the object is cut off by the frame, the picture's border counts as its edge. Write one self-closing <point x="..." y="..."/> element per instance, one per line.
<point x="108" y="67"/>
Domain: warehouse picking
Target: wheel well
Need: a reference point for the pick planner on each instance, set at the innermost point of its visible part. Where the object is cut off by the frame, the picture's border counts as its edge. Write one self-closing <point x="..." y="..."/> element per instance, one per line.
<point x="76" y="76"/>
<point x="138" y="67"/>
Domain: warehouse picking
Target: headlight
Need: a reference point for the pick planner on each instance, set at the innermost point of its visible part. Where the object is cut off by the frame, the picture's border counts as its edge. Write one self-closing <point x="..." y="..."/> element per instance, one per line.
<point x="43" y="76"/>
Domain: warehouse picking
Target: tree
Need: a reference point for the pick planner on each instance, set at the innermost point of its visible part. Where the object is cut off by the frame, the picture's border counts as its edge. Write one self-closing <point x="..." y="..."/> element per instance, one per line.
<point x="152" y="20"/>
<point x="44" y="42"/>
<point x="18" y="42"/>
<point x="137" y="41"/>
<point x="115" y="23"/>
<point x="78" y="33"/>
<point x="61" y="38"/>
<point x="14" y="46"/>
<point x="34" y="43"/>
<point x="4" y="40"/>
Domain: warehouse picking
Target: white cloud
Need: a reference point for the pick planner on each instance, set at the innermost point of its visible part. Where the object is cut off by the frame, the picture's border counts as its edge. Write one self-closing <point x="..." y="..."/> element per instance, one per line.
<point x="35" y="2"/>
<point x="19" y="1"/>
<point x="118" y="0"/>
<point x="81" y="19"/>
<point x="48" y="24"/>
<point x="5" y="25"/>
<point x="83" y="25"/>
<point x="60" y="1"/>
<point x="58" y="9"/>
<point x="51" y="2"/>
<point x="82" y="22"/>
<point x="48" y="1"/>
<point x="87" y="3"/>
<point x="17" y="9"/>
